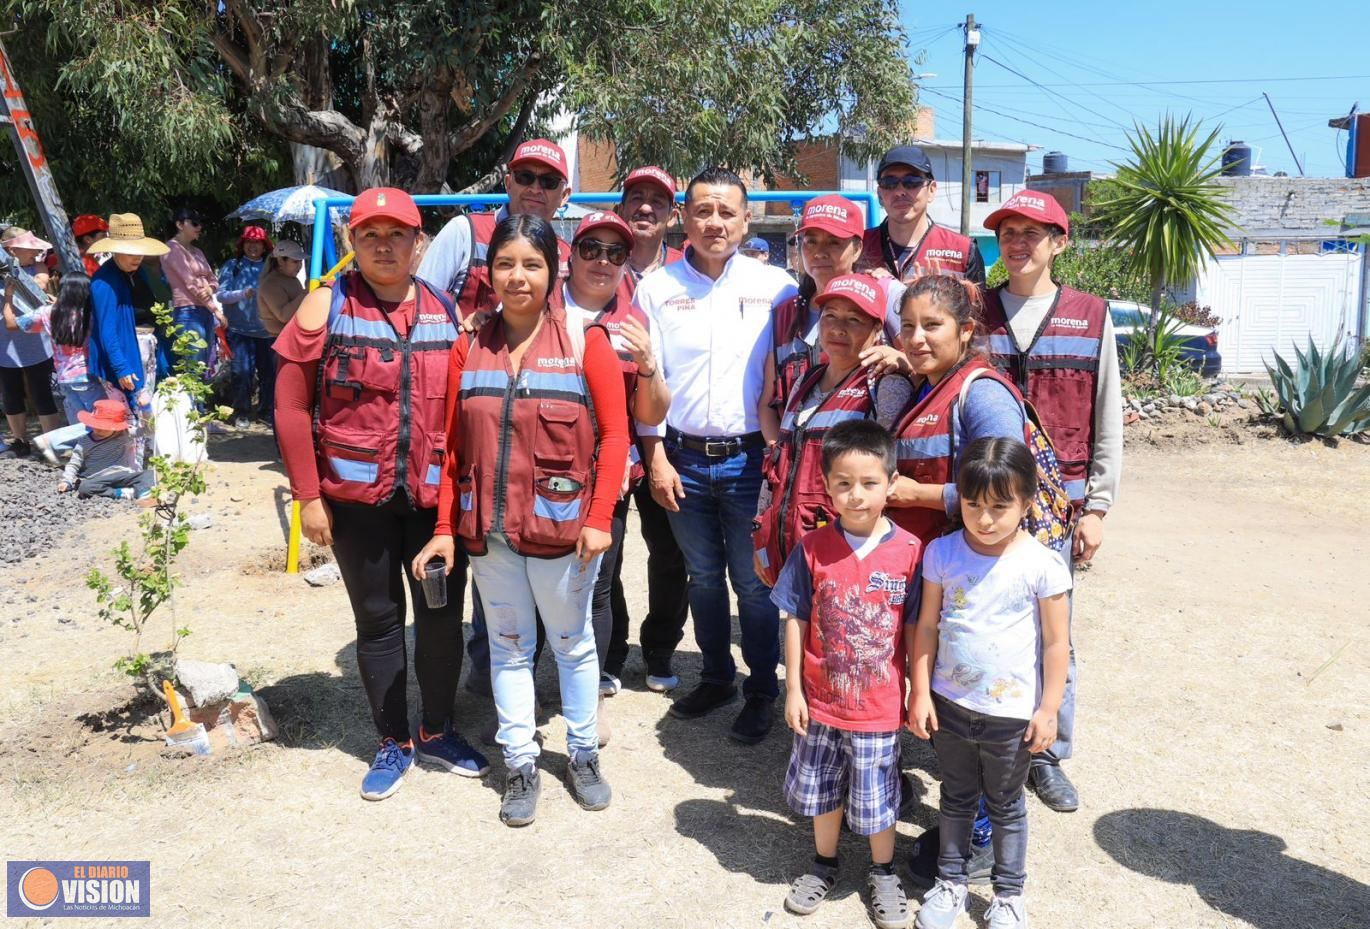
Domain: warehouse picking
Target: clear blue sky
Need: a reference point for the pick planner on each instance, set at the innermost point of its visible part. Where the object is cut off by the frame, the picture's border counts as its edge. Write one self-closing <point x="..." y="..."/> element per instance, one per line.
<point x="1096" y="62"/>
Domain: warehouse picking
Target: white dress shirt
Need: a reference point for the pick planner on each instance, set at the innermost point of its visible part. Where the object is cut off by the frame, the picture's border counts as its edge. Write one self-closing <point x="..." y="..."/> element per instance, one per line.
<point x="711" y="338"/>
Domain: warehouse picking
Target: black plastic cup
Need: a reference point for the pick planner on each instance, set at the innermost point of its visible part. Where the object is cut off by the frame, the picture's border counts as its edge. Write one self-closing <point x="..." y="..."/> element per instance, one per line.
<point x="435" y="583"/>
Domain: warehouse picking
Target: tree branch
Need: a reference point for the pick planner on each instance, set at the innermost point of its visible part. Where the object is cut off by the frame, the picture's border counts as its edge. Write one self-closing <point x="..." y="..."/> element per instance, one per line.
<point x="467" y="135"/>
<point x="487" y="182"/>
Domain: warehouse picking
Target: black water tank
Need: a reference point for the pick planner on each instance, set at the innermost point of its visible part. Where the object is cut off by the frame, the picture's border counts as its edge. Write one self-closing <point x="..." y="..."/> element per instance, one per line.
<point x="1237" y="160"/>
<point x="1055" y="163"/>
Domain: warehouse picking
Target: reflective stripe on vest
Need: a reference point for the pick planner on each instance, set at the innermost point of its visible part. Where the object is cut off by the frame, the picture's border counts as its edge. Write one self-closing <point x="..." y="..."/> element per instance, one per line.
<point x="940" y="251"/>
<point x="379" y="416"/>
<point x="1058" y="374"/>
<point x="794" y="466"/>
<point x="527" y="445"/>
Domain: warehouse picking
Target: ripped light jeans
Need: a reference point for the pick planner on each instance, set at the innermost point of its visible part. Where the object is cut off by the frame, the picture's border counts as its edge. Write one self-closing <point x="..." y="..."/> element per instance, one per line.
<point x="515" y="590"/>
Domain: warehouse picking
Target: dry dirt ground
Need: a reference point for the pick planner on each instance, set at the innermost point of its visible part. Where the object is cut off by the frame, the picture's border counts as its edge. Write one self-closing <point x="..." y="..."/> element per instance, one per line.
<point x="1224" y="729"/>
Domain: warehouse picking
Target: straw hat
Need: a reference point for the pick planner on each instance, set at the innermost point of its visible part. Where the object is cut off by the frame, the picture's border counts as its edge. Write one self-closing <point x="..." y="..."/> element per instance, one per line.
<point x="126" y="238"/>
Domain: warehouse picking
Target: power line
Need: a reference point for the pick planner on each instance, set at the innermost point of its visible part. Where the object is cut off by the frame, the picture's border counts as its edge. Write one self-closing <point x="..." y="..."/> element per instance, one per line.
<point x="1061" y="96"/>
<point x="987" y="109"/>
<point x="1034" y="53"/>
<point x="1225" y="80"/>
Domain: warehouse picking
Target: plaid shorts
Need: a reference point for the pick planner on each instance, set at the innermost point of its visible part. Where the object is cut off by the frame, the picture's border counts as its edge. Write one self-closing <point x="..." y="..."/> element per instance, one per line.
<point x="831" y="767"/>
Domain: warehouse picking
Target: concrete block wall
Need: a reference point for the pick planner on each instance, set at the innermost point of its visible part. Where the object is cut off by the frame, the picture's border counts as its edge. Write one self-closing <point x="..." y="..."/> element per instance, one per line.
<point x="1268" y="207"/>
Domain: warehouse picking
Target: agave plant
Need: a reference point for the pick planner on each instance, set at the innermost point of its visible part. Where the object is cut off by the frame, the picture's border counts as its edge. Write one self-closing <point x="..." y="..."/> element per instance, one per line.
<point x="1318" y="394"/>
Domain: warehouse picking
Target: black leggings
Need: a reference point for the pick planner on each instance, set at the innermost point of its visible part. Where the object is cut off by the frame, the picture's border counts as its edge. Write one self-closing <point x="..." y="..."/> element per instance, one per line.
<point x="373" y="546"/>
<point x="36" y="381"/>
<point x="608" y="612"/>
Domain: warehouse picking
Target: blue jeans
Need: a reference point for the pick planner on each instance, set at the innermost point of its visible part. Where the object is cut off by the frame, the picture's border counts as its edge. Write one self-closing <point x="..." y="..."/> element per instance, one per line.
<point x="77" y="397"/>
<point x="714" y="531"/>
<point x="515" y="591"/>
<point x="252" y="355"/>
<point x="192" y="319"/>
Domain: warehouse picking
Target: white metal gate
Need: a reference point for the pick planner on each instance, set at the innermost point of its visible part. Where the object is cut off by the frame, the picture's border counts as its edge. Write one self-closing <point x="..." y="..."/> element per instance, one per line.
<point x="1271" y="302"/>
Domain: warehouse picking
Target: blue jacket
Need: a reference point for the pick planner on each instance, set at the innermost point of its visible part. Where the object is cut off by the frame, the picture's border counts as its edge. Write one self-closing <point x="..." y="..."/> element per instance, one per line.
<point x="235" y="277"/>
<point x="113" y="342"/>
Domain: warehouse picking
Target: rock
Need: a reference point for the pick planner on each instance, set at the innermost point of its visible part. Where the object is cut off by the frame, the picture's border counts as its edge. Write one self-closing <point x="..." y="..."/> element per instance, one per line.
<point x="236" y="499"/>
<point x="1130" y="417"/>
<point x="1149" y="408"/>
<point x="237" y="723"/>
<point x="1172" y="400"/>
<point x="1144" y="415"/>
<point x="1190" y="403"/>
<point x="323" y="575"/>
<point x="200" y="520"/>
<point x="1203" y="409"/>
<point x="1335" y="727"/>
<point x="206" y="682"/>
<point x="1242" y="404"/>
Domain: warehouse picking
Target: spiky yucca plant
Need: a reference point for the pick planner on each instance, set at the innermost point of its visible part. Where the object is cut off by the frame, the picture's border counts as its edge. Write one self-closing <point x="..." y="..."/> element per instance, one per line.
<point x="1163" y="209"/>
<point x="1317" y="394"/>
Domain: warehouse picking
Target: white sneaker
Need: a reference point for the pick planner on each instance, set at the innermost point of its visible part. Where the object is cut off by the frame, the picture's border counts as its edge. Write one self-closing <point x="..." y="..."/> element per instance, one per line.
<point x="609" y="684"/>
<point x="942" y="906"/>
<point x="1006" y="913"/>
<point x="43" y="447"/>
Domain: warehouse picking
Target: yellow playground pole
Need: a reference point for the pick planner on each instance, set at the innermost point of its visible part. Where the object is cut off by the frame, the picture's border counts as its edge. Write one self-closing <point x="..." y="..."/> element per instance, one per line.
<point x="292" y="545"/>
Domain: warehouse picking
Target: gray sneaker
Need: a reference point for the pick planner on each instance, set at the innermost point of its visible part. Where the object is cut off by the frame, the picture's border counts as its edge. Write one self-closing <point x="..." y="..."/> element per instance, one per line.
<point x="587" y="785"/>
<point x="942" y="906"/>
<point x="1006" y="913"/>
<point x="521" y="791"/>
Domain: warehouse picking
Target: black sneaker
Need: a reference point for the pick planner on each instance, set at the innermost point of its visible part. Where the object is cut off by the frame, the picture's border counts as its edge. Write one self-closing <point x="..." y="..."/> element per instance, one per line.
<point x="755" y="720"/>
<point x="923" y="861"/>
<point x="704" y="699"/>
<point x="521" y="791"/>
<point x="587" y="784"/>
<point x="20" y="448"/>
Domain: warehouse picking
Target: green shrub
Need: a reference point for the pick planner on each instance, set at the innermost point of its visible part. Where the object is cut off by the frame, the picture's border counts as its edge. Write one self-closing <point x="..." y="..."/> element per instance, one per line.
<point x="1318" y="394"/>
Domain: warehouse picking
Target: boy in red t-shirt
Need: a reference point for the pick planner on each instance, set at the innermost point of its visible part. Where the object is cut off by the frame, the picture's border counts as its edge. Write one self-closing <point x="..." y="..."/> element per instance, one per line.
<point x="849" y="591"/>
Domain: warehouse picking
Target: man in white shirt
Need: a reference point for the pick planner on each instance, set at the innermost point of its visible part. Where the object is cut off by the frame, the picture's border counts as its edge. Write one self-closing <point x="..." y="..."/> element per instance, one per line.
<point x="711" y="322"/>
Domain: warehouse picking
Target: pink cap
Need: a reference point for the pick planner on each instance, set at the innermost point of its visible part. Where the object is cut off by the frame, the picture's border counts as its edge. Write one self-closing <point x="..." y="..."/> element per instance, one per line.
<point x="833" y="214"/>
<point x="1030" y="204"/>
<point x="542" y="152"/>
<point x="861" y="289"/>
<point x="603" y="219"/>
<point x="652" y="175"/>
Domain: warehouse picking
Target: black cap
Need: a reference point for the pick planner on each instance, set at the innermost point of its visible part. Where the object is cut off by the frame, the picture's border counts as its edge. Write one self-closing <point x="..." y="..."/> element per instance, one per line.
<point x="910" y="155"/>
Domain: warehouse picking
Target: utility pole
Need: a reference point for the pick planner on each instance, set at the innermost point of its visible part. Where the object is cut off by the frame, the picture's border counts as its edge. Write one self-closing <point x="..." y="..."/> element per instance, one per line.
<point x="967" y="177"/>
<point x="14" y="112"/>
<point x="1283" y="133"/>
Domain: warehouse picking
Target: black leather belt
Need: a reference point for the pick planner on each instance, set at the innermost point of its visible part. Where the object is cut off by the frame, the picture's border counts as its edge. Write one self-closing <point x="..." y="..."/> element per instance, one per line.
<point x="716" y="446"/>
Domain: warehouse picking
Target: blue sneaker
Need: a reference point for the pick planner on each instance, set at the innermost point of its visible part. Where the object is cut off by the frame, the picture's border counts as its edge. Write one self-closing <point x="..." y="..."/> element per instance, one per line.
<point x="451" y="751"/>
<point x="392" y="761"/>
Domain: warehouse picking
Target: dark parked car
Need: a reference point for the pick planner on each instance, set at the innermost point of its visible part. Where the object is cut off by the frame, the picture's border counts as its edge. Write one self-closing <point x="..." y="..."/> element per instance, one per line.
<point x="1200" y="347"/>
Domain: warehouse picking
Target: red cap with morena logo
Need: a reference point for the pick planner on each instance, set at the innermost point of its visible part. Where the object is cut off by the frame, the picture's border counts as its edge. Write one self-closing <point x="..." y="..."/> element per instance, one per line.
<point x="861" y="289"/>
<point x="833" y="214"/>
<point x="542" y="152"/>
<point x="1030" y="204"/>
<point x="651" y="174"/>
<point x="384" y="203"/>
<point x="603" y="219"/>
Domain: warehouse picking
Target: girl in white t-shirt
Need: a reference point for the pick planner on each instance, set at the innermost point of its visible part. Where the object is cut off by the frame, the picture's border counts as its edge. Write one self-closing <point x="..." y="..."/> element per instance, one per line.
<point x="989" y="671"/>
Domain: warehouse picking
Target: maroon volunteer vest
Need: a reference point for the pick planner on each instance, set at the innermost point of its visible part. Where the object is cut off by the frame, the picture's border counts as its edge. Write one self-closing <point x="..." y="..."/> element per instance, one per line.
<point x="380" y="417"/>
<point x="925" y="443"/>
<point x="476" y="294"/>
<point x="1058" y="373"/>
<point x="611" y="319"/>
<point x="526" y="459"/>
<point x="794" y="466"/>
<point x="940" y="251"/>
<point x="792" y="355"/>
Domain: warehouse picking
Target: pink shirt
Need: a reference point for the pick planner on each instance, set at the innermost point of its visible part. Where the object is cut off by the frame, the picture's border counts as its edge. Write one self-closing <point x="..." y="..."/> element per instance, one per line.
<point x="187" y="270"/>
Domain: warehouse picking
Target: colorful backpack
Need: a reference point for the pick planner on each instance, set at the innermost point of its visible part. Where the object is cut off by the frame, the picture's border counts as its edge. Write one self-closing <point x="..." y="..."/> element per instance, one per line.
<point x="1050" y="518"/>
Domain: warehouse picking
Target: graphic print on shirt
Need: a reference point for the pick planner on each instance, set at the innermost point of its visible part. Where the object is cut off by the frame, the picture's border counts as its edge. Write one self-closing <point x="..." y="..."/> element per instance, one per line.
<point x="974" y="659"/>
<point x="858" y="635"/>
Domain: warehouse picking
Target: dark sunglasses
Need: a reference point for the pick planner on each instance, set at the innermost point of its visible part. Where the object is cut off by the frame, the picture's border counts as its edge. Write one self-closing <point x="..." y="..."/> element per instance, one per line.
<point x="591" y="249"/>
<point x="545" y="181"/>
<point x="906" y="181"/>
